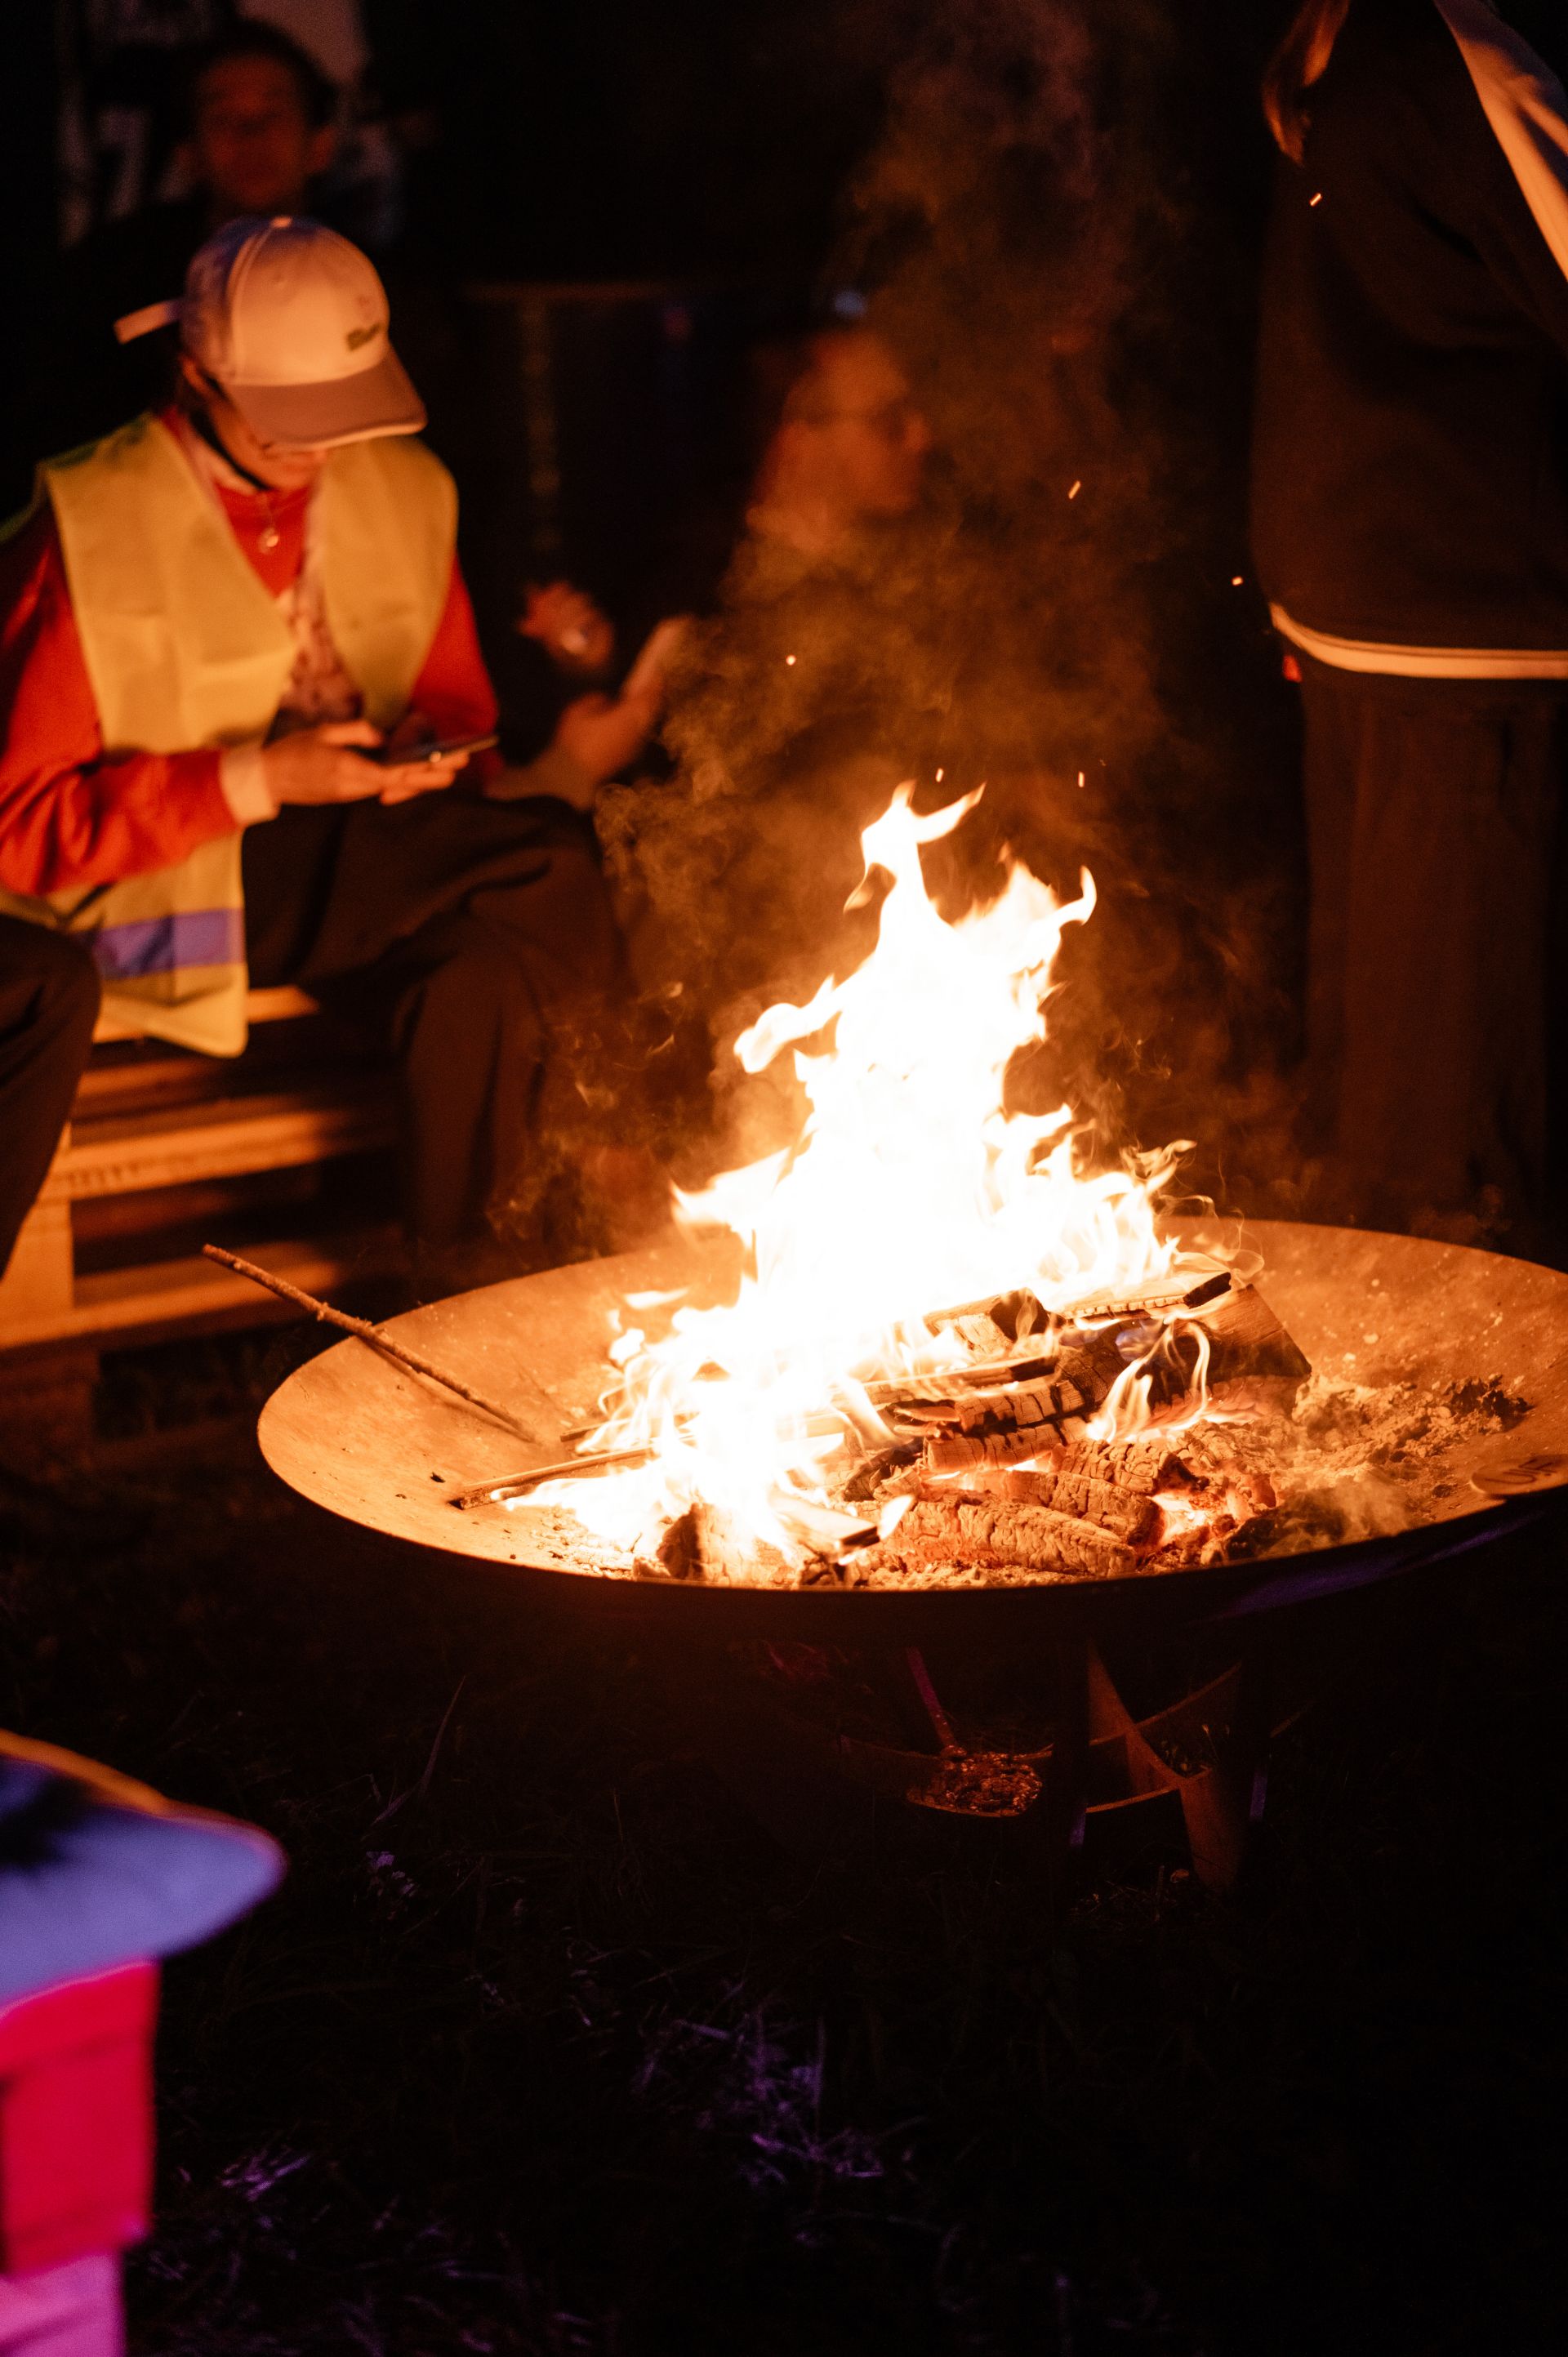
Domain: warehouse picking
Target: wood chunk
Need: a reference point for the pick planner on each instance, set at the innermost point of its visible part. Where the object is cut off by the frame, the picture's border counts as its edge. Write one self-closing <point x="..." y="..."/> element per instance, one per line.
<point x="972" y="1530"/>
<point x="960" y="1452"/>
<point x="1248" y="1345"/>
<point x="1141" y="1466"/>
<point x="981" y="1333"/>
<point x="1013" y="1408"/>
<point x="1093" y="1361"/>
<point x="704" y="1544"/>
<point x="1131" y="1515"/>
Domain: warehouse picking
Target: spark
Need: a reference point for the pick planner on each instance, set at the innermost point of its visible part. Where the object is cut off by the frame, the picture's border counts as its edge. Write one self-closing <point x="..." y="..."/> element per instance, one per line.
<point x="1076" y="488"/>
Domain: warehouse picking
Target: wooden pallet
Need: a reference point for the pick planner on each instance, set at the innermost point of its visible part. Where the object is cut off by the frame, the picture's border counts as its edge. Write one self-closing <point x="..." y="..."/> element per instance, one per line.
<point x="159" y="1139"/>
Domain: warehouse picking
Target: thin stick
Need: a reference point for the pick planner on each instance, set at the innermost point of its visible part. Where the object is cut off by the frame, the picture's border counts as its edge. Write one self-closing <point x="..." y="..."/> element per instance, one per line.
<point x="374" y="1335"/>
<point x="569" y="1469"/>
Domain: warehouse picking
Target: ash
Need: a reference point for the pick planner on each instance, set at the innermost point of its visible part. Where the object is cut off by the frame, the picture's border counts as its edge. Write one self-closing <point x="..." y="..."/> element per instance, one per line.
<point x="1352" y="1461"/>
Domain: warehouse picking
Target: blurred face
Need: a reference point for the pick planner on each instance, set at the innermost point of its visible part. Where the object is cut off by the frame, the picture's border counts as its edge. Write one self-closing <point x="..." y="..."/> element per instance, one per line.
<point x="284" y="470"/>
<point x="252" y="147"/>
<point x="859" y="444"/>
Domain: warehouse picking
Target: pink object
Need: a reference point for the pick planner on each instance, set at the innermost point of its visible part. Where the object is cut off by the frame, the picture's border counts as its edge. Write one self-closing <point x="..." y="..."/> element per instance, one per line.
<point x="75" y="2124"/>
<point x="67" y="2311"/>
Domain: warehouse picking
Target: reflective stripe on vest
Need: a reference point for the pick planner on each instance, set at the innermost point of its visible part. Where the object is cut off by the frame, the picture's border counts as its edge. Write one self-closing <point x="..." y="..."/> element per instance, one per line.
<point x="185" y="650"/>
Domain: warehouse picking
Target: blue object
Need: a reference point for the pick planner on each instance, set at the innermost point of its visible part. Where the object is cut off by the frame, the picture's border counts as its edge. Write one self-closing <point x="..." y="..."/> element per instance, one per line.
<point x="160" y="944"/>
<point x="87" y="1884"/>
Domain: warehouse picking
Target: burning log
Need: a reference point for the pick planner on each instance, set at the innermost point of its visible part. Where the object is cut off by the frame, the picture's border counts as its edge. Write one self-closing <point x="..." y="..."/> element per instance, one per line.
<point x="1012" y="1406"/>
<point x="1252" y="1359"/>
<point x="705" y="1544"/>
<point x="1130" y="1514"/>
<point x="1143" y="1467"/>
<point x="968" y="1529"/>
<point x="958" y="1452"/>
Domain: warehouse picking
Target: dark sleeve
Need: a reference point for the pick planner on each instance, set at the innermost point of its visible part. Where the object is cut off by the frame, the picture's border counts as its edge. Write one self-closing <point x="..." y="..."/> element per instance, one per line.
<point x="86" y="1884"/>
<point x="1506" y="163"/>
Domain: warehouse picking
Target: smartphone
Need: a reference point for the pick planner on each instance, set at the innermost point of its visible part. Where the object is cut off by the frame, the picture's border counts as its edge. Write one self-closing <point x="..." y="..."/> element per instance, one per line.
<point x="402" y="757"/>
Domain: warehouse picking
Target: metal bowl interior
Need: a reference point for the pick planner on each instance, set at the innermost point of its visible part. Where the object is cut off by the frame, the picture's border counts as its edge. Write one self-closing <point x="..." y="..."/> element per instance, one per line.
<point x="358" y="1436"/>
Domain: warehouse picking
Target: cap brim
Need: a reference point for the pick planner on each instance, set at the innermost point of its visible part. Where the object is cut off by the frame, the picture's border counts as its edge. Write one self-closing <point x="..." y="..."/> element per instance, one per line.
<point x="376" y="401"/>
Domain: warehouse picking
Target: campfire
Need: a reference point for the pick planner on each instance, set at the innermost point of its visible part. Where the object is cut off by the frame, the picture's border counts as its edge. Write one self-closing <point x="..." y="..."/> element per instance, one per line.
<point x="958" y="1351"/>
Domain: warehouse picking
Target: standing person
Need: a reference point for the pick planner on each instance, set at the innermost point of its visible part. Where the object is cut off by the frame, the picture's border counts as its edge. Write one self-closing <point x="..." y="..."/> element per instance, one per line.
<point x="1411" y="527"/>
<point x="208" y="620"/>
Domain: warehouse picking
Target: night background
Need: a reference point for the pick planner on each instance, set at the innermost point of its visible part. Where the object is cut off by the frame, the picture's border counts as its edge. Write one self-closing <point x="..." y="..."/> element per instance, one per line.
<point x="546" y="2046"/>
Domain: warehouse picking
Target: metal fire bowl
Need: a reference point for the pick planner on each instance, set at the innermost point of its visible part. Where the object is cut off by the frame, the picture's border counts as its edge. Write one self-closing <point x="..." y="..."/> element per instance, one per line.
<point x="355" y="1433"/>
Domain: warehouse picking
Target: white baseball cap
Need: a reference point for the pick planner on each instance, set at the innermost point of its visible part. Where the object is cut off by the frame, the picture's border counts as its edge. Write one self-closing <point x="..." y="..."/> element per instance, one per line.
<point x="291" y="320"/>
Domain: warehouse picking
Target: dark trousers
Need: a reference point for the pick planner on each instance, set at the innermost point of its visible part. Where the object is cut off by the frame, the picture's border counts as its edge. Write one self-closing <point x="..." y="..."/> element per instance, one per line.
<point x="1433" y="812"/>
<point x="477" y="938"/>
<point x="48" y="1003"/>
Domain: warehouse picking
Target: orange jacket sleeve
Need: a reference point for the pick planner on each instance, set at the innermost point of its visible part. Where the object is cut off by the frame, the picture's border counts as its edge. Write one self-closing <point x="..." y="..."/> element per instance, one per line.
<point x="453" y="689"/>
<point x="70" y="816"/>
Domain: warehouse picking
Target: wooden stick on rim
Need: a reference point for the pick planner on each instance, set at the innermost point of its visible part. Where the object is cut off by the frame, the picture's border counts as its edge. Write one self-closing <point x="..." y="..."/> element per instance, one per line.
<point x="374" y="1335"/>
<point x="569" y="1468"/>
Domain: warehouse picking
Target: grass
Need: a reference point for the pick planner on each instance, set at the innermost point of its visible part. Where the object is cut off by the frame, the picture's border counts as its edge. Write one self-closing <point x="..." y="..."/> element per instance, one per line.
<point x="545" y="2048"/>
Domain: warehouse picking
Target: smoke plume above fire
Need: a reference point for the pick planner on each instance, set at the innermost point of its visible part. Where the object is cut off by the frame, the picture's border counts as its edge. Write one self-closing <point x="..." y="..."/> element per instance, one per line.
<point x="1031" y="238"/>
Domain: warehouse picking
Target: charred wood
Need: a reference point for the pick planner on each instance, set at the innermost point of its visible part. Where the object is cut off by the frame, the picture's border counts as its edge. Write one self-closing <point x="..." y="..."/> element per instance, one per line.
<point x="972" y="1530"/>
<point x="960" y="1452"/>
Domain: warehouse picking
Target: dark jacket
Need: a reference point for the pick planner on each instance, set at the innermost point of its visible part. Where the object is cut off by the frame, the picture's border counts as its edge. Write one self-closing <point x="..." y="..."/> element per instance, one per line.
<point x="1411" y="446"/>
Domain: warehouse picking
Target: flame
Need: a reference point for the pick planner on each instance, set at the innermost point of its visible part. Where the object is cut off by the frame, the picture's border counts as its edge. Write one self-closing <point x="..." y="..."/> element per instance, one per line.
<point x="908" y="1188"/>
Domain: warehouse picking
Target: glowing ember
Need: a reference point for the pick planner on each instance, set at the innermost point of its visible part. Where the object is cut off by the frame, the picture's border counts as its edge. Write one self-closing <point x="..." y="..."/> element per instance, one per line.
<point x="909" y="1194"/>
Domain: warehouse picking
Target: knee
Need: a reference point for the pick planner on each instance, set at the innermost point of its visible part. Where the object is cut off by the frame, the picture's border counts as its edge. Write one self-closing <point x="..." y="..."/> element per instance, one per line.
<point x="66" y="992"/>
<point x="478" y="990"/>
<point x="78" y="994"/>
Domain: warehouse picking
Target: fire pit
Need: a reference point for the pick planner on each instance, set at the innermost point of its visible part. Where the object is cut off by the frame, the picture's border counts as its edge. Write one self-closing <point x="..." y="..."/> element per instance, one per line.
<point x="1476" y="1346"/>
<point x="772" y="1429"/>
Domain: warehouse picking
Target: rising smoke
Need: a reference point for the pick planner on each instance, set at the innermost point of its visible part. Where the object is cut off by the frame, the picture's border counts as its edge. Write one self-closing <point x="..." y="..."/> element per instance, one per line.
<point x="1045" y="240"/>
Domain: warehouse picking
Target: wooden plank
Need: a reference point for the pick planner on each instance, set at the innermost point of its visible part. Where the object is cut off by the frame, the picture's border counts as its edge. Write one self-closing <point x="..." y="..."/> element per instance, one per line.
<point x="224" y="1140"/>
<point x="37" y="1280"/>
<point x="282" y="1006"/>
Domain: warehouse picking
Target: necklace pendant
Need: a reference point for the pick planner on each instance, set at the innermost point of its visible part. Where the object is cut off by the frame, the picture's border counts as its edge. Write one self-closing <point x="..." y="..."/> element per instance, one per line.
<point x="269" y="538"/>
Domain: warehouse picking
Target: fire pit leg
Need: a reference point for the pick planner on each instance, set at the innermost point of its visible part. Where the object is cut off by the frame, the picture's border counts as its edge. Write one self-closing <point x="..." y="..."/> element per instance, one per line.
<point x="1062" y="1814"/>
<point x="1222" y="1805"/>
<point x="1222" y="1799"/>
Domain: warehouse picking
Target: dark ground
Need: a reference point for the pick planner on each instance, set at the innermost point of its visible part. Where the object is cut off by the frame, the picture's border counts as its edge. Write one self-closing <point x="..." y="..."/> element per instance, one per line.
<point x="545" y="2048"/>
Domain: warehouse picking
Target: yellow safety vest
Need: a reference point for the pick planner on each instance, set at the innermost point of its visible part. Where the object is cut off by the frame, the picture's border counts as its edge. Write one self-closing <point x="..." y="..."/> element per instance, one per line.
<point x="185" y="649"/>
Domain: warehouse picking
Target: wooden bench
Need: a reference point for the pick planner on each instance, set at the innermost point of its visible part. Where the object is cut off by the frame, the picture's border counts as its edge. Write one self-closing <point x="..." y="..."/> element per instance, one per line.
<point x="166" y="1150"/>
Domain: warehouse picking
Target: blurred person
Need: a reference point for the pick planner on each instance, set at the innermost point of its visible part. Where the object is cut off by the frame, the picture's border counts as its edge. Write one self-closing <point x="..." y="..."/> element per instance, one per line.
<point x="804" y="696"/>
<point x="207" y="623"/>
<point x="99" y="1877"/>
<point x="258" y="131"/>
<point x="849" y="446"/>
<point x="1411" y="525"/>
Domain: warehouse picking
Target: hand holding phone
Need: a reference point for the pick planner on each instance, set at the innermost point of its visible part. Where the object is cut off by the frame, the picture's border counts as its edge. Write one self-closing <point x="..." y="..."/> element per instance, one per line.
<point x="392" y="756"/>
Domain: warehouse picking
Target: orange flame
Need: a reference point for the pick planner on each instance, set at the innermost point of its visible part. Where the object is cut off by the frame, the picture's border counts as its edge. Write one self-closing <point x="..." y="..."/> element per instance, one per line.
<point x="909" y="1186"/>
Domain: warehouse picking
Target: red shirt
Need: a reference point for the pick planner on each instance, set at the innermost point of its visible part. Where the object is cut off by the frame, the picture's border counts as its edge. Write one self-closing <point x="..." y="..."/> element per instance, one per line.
<point x="68" y="816"/>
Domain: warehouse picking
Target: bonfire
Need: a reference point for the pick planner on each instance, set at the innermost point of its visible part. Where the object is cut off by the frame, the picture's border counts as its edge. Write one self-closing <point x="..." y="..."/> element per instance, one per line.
<point x="961" y="1348"/>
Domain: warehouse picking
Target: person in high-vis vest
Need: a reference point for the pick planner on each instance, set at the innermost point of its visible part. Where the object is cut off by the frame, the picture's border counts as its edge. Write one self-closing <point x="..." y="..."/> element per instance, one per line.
<point x="207" y="621"/>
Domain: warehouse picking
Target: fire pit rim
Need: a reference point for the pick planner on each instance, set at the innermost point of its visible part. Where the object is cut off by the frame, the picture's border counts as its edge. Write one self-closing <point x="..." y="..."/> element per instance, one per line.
<point x="349" y="1387"/>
